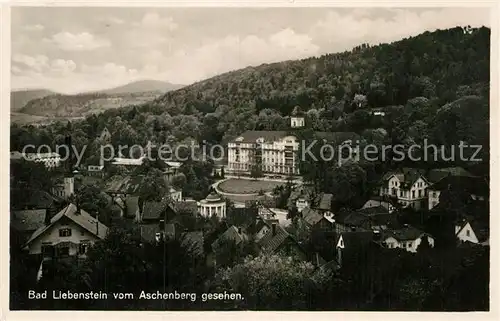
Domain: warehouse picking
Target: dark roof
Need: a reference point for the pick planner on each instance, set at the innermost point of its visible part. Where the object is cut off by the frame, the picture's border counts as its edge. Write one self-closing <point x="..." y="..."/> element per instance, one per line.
<point x="406" y="175"/>
<point x="124" y="184"/>
<point x="213" y="197"/>
<point x="481" y="229"/>
<point x="311" y="216"/>
<point x="356" y="239"/>
<point x="270" y="243"/>
<point x="435" y="175"/>
<point x="153" y="209"/>
<point x="470" y="184"/>
<point x="403" y="234"/>
<point x="132" y="205"/>
<point x="231" y="234"/>
<point x="79" y="217"/>
<point x="369" y="211"/>
<point x="352" y="218"/>
<point x="27" y="220"/>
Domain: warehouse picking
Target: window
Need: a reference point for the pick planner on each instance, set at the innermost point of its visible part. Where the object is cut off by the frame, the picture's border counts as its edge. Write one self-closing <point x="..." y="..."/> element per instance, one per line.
<point x="82" y="232"/>
<point x="65" y="232"/>
<point x="409" y="244"/>
<point x="83" y="247"/>
<point x="413" y="194"/>
<point x="467" y="232"/>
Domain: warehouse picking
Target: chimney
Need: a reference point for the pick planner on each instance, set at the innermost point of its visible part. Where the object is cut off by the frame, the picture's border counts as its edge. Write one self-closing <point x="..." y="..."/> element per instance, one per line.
<point x="273" y="228"/>
<point x="162" y="225"/>
<point x="49" y="213"/>
<point x="376" y="235"/>
<point x="239" y="230"/>
<point x="405" y="225"/>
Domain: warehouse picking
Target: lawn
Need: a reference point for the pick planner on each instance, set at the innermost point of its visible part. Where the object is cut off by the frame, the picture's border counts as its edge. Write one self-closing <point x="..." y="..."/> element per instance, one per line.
<point x="245" y="186"/>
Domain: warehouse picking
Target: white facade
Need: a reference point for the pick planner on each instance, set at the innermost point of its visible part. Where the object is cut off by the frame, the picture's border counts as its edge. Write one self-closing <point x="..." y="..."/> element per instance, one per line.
<point x="465" y="233"/>
<point x="212" y="205"/>
<point x="301" y="203"/>
<point x="297" y="122"/>
<point x="175" y="195"/>
<point x="408" y="245"/>
<point x="433" y="198"/>
<point x="278" y="157"/>
<point x="413" y="196"/>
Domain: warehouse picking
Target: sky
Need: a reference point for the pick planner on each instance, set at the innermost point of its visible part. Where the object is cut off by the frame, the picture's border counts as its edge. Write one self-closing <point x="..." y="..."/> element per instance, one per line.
<point x="73" y="49"/>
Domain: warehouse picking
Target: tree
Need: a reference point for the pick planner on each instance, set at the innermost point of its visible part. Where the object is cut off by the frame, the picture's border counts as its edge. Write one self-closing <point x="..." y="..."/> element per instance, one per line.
<point x="153" y="186"/>
<point x="179" y="181"/>
<point x="268" y="282"/>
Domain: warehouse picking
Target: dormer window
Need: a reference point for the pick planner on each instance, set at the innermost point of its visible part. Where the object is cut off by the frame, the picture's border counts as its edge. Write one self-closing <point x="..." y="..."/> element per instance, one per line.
<point x="260" y="140"/>
<point x="239" y="139"/>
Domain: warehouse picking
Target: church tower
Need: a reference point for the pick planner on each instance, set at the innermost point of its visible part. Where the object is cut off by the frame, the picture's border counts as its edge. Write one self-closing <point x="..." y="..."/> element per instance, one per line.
<point x="297" y="119"/>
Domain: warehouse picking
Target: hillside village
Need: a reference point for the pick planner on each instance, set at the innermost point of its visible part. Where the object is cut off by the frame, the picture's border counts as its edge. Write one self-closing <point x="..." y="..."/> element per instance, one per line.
<point x="287" y="233"/>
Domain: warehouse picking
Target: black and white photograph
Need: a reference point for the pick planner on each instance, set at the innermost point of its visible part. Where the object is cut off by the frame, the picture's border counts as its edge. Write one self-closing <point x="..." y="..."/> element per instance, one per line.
<point x="249" y="158"/>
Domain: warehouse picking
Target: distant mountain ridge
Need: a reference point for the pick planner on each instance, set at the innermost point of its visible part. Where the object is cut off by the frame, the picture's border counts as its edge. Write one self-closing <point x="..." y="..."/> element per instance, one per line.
<point x="50" y="104"/>
<point x="142" y="86"/>
<point x="19" y="98"/>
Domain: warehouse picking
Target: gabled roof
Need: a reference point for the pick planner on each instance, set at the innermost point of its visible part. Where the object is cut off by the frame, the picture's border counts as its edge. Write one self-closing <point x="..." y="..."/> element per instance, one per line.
<point x="230" y="234"/>
<point x="470" y="184"/>
<point x="270" y="243"/>
<point x="311" y="216"/>
<point x="124" y="184"/>
<point x="79" y="217"/>
<point x="27" y="220"/>
<point x="435" y="175"/>
<point x="407" y="176"/>
<point x="404" y="234"/>
<point x="369" y="211"/>
<point x="153" y="209"/>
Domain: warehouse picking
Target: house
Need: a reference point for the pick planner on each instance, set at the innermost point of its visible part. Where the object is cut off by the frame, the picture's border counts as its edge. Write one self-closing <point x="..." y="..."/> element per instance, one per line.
<point x="313" y="218"/>
<point x="473" y="231"/>
<point x="297" y="119"/>
<point x="371" y="218"/>
<point x="70" y="232"/>
<point x="95" y="170"/>
<point x="234" y="234"/>
<point x="24" y="199"/>
<point x="175" y="195"/>
<point x="278" y="240"/>
<point x="154" y="211"/>
<point x="407" y="185"/>
<point x="473" y="187"/>
<point x="50" y="160"/>
<point x="123" y="185"/>
<point x="376" y="201"/>
<point x="408" y="238"/>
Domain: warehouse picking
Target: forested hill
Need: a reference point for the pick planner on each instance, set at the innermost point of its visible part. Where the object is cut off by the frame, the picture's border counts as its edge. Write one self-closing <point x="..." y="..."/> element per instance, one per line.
<point x="433" y="64"/>
<point x="412" y="79"/>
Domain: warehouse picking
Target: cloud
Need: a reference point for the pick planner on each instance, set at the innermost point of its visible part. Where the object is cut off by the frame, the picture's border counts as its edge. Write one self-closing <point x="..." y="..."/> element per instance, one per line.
<point x="339" y="32"/>
<point x="116" y="20"/>
<point x="77" y="42"/>
<point x="36" y="27"/>
<point x="36" y="63"/>
<point x="153" y="20"/>
<point x="63" y="67"/>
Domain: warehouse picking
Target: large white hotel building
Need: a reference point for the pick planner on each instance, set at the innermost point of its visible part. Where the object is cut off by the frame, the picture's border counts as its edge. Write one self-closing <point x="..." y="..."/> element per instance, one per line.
<point x="275" y="152"/>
